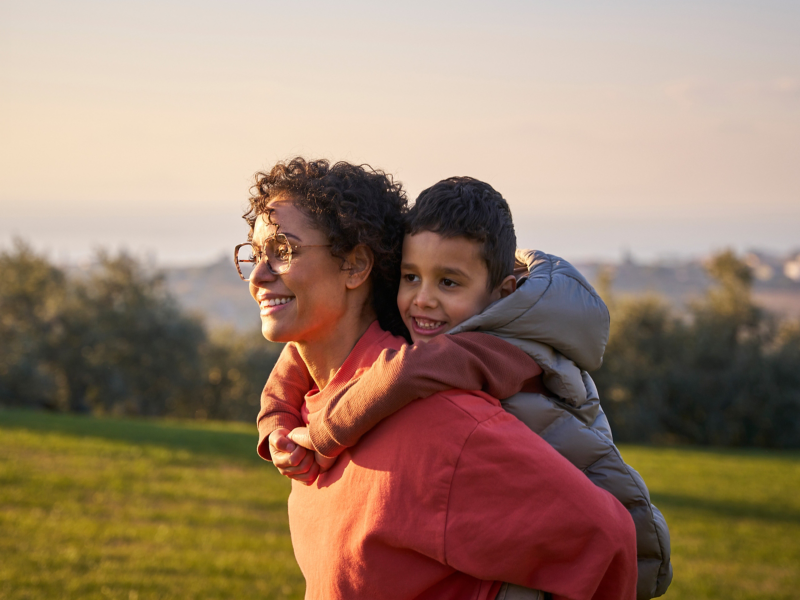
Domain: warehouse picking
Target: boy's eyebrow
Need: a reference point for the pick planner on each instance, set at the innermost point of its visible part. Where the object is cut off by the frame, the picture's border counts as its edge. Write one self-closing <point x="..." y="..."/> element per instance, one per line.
<point x="454" y="271"/>
<point x="442" y="269"/>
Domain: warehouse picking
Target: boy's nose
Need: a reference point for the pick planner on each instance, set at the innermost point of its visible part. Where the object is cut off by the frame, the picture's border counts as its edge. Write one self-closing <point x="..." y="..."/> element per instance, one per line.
<point x="424" y="299"/>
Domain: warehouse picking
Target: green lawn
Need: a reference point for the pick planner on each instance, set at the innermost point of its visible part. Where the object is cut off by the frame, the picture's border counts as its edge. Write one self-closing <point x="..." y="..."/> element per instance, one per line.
<point x="102" y="508"/>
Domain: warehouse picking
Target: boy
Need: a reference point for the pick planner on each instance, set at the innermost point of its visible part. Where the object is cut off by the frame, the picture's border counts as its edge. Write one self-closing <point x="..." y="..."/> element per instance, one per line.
<point x="457" y="276"/>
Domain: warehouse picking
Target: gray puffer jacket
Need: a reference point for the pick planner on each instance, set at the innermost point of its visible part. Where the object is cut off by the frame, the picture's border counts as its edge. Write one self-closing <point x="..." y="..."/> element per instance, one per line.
<point x="560" y="321"/>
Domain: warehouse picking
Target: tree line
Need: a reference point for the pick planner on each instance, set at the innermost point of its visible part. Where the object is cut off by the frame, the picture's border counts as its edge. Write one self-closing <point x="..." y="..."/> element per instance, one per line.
<point x="722" y="372"/>
<point x="115" y="342"/>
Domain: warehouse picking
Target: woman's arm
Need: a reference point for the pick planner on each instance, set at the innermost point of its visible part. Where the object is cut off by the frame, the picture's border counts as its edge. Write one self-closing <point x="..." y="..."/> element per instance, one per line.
<point x="468" y="361"/>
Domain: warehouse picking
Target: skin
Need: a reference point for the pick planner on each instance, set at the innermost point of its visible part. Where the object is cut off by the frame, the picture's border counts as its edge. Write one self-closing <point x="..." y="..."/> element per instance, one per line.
<point x="444" y="281"/>
<point x="322" y="304"/>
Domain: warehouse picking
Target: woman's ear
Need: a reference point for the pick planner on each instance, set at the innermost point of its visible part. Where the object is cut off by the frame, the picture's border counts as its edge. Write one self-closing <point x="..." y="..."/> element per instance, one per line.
<point x="358" y="265"/>
<point x="508" y="287"/>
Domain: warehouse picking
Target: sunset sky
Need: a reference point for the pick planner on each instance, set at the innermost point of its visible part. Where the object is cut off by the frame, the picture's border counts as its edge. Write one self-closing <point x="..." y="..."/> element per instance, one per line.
<point x="664" y="129"/>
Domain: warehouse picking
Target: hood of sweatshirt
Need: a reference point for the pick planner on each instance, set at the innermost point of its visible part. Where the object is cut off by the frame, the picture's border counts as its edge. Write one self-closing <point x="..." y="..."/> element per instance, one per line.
<point x="556" y="317"/>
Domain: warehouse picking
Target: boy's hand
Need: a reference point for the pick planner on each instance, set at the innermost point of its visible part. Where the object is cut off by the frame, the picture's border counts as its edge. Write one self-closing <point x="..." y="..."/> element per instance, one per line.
<point x="301" y="437"/>
<point x="292" y="460"/>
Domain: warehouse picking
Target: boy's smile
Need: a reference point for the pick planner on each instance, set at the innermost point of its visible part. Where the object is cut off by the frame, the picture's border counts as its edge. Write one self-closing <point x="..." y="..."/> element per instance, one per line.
<point x="443" y="282"/>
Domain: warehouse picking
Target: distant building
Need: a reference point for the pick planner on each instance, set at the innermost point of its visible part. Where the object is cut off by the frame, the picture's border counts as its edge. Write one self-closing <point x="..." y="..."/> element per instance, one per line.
<point x="791" y="268"/>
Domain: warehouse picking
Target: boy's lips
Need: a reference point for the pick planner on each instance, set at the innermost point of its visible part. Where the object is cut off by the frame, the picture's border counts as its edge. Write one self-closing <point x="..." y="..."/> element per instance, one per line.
<point x="424" y="326"/>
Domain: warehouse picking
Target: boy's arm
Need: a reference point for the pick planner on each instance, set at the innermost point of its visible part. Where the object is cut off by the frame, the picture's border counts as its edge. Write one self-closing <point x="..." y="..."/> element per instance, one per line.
<point x="467" y="361"/>
<point x="283" y="397"/>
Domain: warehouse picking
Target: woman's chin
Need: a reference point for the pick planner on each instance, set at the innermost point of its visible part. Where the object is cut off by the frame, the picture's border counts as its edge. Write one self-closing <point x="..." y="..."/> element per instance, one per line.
<point x="273" y="331"/>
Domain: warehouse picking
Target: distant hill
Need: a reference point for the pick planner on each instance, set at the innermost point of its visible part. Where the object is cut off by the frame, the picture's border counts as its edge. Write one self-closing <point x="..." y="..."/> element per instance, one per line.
<point x="215" y="291"/>
<point x="776" y="280"/>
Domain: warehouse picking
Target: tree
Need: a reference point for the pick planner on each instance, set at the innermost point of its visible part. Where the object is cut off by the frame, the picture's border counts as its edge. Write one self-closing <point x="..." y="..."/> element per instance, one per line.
<point x="115" y="341"/>
<point x="128" y="348"/>
<point x="32" y="294"/>
<point x="236" y="368"/>
<point x="725" y="373"/>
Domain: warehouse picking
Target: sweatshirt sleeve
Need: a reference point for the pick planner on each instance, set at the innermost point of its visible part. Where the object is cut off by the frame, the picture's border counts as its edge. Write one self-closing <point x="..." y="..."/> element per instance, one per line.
<point x="283" y="397"/>
<point x="568" y="537"/>
<point x="467" y="361"/>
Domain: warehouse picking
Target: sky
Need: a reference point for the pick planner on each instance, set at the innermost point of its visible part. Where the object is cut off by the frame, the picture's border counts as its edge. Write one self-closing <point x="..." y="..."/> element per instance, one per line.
<point x="661" y="130"/>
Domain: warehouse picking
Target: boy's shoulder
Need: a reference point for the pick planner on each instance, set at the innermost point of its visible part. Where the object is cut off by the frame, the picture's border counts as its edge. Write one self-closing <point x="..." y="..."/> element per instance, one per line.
<point x="554" y="305"/>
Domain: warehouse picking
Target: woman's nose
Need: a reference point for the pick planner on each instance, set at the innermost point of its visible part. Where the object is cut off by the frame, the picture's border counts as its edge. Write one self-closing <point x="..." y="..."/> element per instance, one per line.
<point x="262" y="273"/>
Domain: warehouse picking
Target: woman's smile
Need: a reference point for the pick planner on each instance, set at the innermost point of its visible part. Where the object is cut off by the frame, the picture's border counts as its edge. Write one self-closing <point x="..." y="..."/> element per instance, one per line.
<point x="271" y="305"/>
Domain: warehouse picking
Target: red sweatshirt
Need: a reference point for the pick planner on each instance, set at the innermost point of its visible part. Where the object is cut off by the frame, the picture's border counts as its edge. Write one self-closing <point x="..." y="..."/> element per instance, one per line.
<point x="449" y="496"/>
<point x="467" y="361"/>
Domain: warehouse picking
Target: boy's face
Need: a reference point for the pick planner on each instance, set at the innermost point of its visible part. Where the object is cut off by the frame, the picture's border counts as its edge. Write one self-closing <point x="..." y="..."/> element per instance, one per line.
<point x="443" y="282"/>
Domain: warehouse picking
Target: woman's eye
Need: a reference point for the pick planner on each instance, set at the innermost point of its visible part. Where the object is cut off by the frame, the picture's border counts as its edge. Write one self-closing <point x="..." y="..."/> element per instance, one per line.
<point x="411" y="278"/>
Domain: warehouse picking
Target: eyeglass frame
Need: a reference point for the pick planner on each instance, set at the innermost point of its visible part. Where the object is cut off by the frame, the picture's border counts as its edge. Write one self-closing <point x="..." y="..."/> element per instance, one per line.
<point x="257" y="260"/>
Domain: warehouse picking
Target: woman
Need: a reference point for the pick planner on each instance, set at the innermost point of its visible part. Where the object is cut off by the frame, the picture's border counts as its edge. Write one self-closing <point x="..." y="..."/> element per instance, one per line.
<point x="439" y="500"/>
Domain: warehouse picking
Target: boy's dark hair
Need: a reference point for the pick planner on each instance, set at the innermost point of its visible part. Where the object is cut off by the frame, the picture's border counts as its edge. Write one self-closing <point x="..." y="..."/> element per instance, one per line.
<point x="351" y="205"/>
<point x="466" y="207"/>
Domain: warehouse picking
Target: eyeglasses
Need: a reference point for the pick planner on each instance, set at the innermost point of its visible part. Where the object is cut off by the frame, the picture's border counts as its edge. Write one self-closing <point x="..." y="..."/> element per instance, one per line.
<point x="276" y="250"/>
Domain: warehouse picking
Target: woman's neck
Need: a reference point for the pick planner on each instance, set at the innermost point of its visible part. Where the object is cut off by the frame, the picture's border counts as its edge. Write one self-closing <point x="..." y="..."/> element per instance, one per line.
<point x="324" y="356"/>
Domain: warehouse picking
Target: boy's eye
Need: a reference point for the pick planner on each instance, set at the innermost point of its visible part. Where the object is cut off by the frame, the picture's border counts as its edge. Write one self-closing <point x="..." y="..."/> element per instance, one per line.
<point x="448" y="283"/>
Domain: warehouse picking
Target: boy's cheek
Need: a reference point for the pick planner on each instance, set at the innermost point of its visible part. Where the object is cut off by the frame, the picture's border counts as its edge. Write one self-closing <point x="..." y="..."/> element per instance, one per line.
<point x="403" y="301"/>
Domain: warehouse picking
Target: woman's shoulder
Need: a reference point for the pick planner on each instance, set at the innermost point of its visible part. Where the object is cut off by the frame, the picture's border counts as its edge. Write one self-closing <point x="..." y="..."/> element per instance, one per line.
<point x="456" y="412"/>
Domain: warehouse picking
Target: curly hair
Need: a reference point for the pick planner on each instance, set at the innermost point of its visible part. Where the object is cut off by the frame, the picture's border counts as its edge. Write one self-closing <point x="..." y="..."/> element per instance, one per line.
<point x="351" y="205"/>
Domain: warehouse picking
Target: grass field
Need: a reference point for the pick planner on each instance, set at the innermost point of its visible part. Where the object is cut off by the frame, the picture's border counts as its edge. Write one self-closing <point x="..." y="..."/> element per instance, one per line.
<point x="102" y="508"/>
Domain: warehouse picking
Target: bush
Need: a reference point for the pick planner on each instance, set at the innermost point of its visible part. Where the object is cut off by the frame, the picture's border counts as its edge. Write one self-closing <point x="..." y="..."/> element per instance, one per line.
<point x="116" y="342"/>
<point x="724" y="374"/>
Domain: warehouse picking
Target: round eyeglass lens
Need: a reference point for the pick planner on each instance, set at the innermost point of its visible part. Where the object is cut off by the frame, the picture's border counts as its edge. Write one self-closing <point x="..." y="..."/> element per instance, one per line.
<point x="279" y="253"/>
<point x="246" y="260"/>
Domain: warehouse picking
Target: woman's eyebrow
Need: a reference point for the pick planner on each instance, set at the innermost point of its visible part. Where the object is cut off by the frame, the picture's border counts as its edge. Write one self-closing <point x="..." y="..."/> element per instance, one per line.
<point x="291" y="235"/>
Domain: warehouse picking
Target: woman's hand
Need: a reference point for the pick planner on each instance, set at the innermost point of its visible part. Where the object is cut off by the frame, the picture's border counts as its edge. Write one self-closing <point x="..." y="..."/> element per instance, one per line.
<point x="301" y="437"/>
<point x="291" y="459"/>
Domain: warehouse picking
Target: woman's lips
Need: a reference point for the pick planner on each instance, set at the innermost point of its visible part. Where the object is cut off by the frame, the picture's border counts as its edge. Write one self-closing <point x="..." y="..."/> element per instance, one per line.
<point x="424" y="326"/>
<point x="273" y="305"/>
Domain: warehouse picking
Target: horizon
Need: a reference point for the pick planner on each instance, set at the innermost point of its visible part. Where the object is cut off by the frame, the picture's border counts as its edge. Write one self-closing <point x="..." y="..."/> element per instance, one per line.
<point x="150" y="259"/>
<point x="574" y="244"/>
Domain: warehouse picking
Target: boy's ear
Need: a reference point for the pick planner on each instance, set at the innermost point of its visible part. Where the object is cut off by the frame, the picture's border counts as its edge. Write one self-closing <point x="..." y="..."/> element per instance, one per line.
<point x="508" y="286"/>
<point x="358" y="264"/>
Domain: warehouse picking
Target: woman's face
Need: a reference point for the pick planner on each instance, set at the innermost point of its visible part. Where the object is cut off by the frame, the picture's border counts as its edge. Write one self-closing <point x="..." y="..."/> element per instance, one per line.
<point x="305" y="303"/>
